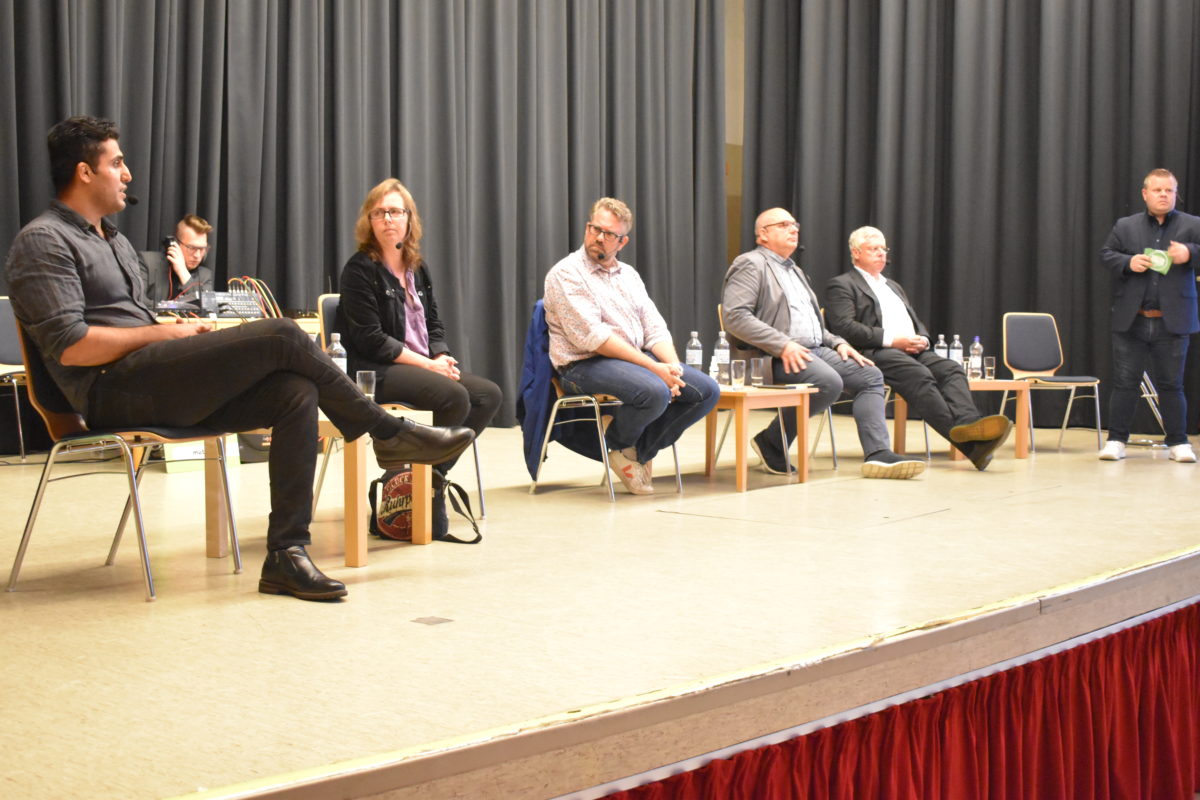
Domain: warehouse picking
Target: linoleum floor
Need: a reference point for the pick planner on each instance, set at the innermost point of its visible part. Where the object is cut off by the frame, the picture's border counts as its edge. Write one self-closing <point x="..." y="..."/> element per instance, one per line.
<point x="569" y="602"/>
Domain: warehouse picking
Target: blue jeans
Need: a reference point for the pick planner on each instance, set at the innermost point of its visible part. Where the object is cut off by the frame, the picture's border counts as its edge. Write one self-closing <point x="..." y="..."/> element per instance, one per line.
<point x="649" y="419"/>
<point x="1148" y="347"/>
<point x="830" y="375"/>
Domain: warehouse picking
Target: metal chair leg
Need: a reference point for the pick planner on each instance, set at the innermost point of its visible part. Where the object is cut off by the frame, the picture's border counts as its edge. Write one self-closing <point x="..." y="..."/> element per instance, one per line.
<point x="678" y="473"/>
<point x="479" y="480"/>
<point x="1066" y="416"/>
<point x="33" y="512"/>
<point x="330" y="443"/>
<point x="234" y="546"/>
<point x="545" y="444"/>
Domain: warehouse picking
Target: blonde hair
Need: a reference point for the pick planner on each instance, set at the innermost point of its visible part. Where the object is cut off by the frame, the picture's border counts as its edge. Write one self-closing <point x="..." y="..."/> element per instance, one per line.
<point x="200" y="225"/>
<point x="1158" y="173"/>
<point x="616" y="208"/>
<point x="364" y="234"/>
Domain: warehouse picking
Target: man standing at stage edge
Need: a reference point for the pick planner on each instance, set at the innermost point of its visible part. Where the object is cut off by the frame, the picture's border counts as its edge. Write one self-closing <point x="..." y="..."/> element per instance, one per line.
<point x="1152" y="257"/>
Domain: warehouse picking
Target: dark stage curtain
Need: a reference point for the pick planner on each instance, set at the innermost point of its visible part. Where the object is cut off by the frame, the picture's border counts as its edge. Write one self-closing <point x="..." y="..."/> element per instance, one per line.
<point x="506" y="119"/>
<point x="994" y="143"/>
<point x="1115" y="718"/>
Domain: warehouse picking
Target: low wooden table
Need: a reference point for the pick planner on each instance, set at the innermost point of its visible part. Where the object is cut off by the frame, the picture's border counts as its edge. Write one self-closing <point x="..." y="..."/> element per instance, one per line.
<point x="742" y="402"/>
<point x="354" y="465"/>
<point x="1023" y="433"/>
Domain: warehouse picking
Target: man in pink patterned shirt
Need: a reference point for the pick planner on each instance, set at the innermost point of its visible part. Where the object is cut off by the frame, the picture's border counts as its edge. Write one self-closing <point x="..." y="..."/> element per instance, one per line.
<point x="606" y="336"/>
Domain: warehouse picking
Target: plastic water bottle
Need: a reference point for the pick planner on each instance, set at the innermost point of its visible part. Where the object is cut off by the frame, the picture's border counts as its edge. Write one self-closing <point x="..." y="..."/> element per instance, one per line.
<point x="695" y="352"/>
<point x="940" y="347"/>
<point x="721" y="353"/>
<point x="956" y="351"/>
<point x="975" y="360"/>
<point x="336" y="351"/>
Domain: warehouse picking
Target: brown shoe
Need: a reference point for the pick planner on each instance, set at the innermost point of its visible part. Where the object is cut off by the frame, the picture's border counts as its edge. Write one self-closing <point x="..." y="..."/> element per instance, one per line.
<point x="983" y="429"/>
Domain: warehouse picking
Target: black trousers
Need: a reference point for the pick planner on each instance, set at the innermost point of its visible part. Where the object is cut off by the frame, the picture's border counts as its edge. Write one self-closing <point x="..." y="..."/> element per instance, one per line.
<point x="936" y="388"/>
<point x="471" y="401"/>
<point x="266" y="373"/>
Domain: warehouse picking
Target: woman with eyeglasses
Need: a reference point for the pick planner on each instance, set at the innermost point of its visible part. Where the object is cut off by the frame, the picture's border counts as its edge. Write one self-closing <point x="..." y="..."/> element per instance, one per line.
<point x="389" y="323"/>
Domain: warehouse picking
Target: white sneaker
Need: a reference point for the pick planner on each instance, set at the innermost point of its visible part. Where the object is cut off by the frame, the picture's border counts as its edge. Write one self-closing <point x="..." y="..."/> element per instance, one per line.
<point x="1183" y="453"/>
<point x="631" y="473"/>
<point x="1115" y="451"/>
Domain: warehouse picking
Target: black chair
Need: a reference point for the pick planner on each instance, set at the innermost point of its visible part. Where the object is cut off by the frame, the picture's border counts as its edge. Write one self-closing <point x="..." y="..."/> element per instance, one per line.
<point x="12" y="372"/>
<point x="327" y="307"/>
<point x="1033" y="352"/>
<point x="71" y="435"/>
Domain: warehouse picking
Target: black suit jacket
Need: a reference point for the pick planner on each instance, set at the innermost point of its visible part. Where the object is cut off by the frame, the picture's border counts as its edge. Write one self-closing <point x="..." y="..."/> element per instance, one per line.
<point x="852" y="312"/>
<point x="1176" y="290"/>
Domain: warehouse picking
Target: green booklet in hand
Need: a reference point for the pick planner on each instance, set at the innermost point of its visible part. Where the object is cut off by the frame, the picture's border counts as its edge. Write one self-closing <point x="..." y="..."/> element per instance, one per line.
<point x="1160" y="260"/>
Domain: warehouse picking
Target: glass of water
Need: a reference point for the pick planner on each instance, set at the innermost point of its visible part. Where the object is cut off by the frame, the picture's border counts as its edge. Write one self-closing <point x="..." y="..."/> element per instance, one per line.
<point x="758" y="371"/>
<point x="989" y="368"/>
<point x="366" y="382"/>
<point x="737" y="373"/>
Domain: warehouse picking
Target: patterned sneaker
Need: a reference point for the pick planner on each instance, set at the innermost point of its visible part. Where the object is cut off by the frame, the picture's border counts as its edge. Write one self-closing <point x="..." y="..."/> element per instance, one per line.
<point x="886" y="464"/>
<point x="632" y="474"/>
<point x="1183" y="453"/>
<point x="1115" y="451"/>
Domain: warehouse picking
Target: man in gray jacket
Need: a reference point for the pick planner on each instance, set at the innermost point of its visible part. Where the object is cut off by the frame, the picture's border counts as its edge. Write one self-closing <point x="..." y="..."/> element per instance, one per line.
<point x="768" y="305"/>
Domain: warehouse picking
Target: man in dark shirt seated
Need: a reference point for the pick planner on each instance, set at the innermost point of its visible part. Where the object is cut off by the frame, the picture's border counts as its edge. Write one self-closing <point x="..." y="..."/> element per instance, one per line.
<point x="178" y="272"/>
<point x="873" y="314"/>
<point x="78" y="292"/>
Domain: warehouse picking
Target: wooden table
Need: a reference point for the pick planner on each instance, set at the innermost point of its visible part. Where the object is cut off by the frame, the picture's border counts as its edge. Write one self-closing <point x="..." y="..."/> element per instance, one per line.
<point x="354" y="465"/>
<point x="742" y="402"/>
<point x="1020" y="388"/>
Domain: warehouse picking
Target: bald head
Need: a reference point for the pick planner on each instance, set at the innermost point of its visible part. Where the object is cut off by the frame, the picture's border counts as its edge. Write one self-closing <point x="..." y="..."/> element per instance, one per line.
<point x="777" y="230"/>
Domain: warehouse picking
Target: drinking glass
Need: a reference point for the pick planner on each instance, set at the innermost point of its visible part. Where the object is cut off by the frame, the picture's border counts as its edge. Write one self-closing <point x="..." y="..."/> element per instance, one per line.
<point x="758" y="371"/>
<point x="989" y="368"/>
<point x="723" y="373"/>
<point x="366" y="382"/>
<point x="737" y="373"/>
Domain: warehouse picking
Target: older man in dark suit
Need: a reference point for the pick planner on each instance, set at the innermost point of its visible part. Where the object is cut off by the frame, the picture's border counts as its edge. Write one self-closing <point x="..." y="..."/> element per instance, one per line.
<point x="873" y="314"/>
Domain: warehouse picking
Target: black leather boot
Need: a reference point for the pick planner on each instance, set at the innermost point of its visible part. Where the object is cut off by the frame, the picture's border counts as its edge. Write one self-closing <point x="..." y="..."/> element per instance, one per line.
<point x="421" y="444"/>
<point x="291" y="571"/>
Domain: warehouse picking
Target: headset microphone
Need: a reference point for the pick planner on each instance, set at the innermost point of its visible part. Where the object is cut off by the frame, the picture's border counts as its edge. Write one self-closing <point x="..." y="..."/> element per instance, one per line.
<point x="131" y="200"/>
<point x="399" y="245"/>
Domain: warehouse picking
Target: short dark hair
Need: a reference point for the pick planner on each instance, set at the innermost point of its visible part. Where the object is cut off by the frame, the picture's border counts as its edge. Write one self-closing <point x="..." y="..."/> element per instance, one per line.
<point x="77" y="139"/>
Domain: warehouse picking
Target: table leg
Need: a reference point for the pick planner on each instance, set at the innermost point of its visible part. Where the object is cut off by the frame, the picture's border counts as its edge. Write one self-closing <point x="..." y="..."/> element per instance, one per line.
<point x="1023" y="432"/>
<point x="900" y="426"/>
<point x="216" y="521"/>
<point x="710" y="442"/>
<point x="741" y="424"/>
<point x="802" y="438"/>
<point x="422" y="504"/>
<point x="354" y="458"/>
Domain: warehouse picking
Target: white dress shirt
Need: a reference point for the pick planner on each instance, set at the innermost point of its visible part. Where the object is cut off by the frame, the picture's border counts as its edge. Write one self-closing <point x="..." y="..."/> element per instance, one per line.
<point x="896" y="319"/>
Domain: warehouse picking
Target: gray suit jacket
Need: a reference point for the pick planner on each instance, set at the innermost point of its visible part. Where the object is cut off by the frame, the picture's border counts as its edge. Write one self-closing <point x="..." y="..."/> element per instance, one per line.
<point x="755" y="306"/>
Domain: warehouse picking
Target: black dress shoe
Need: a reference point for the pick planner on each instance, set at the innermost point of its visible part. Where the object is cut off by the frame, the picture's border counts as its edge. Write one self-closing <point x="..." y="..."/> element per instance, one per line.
<point x="291" y="571"/>
<point x="981" y="452"/>
<point x="421" y="444"/>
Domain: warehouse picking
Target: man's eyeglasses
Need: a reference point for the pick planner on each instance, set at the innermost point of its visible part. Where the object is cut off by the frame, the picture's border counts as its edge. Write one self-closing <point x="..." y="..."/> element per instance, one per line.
<point x="789" y="224"/>
<point x="388" y="213"/>
<point x="875" y="248"/>
<point x="195" y="249"/>
<point x="604" y="235"/>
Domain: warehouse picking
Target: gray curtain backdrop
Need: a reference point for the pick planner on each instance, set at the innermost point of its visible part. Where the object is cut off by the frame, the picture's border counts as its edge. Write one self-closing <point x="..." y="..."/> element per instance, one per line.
<point x="994" y="143"/>
<point x="506" y="119"/>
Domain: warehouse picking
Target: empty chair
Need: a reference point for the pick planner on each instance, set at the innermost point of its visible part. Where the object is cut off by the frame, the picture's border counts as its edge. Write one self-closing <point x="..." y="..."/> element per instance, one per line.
<point x="1033" y="352"/>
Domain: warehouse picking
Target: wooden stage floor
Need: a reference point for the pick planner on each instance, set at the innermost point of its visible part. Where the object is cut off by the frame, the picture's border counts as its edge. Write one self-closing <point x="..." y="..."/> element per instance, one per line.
<point x="583" y="641"/>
